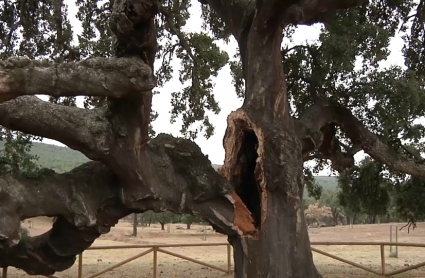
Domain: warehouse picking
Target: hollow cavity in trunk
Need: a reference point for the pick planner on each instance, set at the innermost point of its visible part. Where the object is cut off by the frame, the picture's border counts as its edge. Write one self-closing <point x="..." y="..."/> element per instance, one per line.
<point x="246" y="184"/>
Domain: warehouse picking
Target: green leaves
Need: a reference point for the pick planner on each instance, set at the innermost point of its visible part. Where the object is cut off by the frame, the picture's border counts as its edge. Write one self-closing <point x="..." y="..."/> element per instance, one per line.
<point x="35" y="29"/>
<point x="365" y="189"/>
<point x="344" y="67"/>
<point x="15" y="156"/>
<point x="414" y="49"/>
<point x="201" y="61"/>
<point x="236" y="70"/>
<point x="314" y="190"/>
<point x="409" y="199"/>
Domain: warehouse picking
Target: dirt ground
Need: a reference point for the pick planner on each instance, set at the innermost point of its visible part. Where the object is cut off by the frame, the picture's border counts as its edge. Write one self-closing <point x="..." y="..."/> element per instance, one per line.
<point x="172" y="267"/>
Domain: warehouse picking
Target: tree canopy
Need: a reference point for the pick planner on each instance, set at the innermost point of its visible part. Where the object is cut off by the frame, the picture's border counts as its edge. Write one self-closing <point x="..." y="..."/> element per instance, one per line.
<point x="324" y="100"/>
<point x="341" y="67"/>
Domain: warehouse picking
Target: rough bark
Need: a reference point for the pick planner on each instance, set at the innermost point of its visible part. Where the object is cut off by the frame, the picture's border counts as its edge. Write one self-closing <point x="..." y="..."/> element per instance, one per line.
<point x="258" y="201"/>
<point x="85" y="130"/>
<point x="264" y="162"/>
<point x="144" y="174"/>
<point x="111" y="77"/>
<point x="265" y="166"/>
<point x="91" y="199"/>
<point x="264" y="149"/>
<point x="236" y="14"/>
<point x="312" y="11"/>
<point x="86" y="201"/>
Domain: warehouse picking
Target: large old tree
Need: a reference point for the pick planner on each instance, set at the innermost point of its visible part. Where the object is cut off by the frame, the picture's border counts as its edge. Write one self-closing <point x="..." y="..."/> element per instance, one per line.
<point x="300" y="103"/>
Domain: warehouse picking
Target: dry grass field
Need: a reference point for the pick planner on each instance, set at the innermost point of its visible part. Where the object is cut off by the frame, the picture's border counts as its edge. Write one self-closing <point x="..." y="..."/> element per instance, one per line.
<point x="172" y="267"/>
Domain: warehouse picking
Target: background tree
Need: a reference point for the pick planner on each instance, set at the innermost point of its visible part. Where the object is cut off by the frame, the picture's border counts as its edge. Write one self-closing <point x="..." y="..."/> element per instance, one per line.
<point x="302" y="102"/>
<point x="364" y="189"/>
<point x="164" y="218"/>
<point x="317" y="213"/>
<point x="408" y="194"/>
<point x="190" y="219"/>
<point x="147" y="218"/>
<point x="135" y="224"/>
<point x="330" y="199"/>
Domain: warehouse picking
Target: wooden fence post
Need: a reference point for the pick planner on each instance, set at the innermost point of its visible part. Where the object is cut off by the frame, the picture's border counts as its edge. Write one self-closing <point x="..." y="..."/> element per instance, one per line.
<point x="383" y="260"/>
<point x="155" y="262"/>
<point x="80" y="265"/>
<point x="4" y="274"/>
<point x="229" y="259"/>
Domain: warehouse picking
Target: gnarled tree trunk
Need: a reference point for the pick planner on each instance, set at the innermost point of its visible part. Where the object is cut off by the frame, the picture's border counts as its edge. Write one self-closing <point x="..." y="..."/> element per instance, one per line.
<point x="133" y="172"/>
<point x="264" y="163"/>
<point x="257" y="198"/>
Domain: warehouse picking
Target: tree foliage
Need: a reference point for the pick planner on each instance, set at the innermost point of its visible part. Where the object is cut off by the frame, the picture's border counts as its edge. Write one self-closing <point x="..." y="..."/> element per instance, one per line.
<point x="324" y="69"/>
<point x="317" y="213"/>
<point x="408" y="199"/>
<point x="323" y="100"/>
<point x="15" y="156"/>
<point x="364" y="189"/>
<point x="189" y="219"/>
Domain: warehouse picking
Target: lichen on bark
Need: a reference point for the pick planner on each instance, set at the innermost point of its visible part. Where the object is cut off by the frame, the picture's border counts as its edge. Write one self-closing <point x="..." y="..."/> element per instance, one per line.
<point x="192" y="165"/>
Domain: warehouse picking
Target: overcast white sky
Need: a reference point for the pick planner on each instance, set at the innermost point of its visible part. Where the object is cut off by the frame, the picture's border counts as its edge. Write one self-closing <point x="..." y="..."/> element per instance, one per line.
<point x="224" y="91"/>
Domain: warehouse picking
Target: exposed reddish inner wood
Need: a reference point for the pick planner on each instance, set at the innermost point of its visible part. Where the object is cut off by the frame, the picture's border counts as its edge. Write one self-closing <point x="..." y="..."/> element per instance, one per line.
<point x="240" y="127"/>
<point x="243" y="219"/>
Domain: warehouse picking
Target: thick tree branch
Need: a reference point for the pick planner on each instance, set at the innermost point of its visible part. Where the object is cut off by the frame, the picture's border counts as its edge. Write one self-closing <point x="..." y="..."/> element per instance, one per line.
<point x="300" y="12"/>
<point x="237" y="14"/>
<point x="86" y="201"/>
<point x="110" y="77"/>
<point x="176" y="177"/>
<point x="317" y="117"/>
<point x="309" y="12"/>
<point x="133" y="24"/>
<point x="85" y="130"/>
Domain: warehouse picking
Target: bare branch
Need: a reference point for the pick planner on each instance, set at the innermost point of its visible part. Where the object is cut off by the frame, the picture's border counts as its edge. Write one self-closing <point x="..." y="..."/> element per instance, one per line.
<point x="316" y="117"/>
<point x="111" y="77"/>
<point x="85" y="130"/>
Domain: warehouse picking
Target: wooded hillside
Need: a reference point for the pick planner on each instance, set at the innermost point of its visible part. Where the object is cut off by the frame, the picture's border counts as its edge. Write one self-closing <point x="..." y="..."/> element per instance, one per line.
<point x="63" y="159"/>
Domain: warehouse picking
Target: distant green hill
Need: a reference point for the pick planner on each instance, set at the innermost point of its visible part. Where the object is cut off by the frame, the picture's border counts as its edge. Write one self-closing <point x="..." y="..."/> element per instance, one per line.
<point x="63" y="159"/>
<point x="60" y="159"/>
<point x="328" y="183"/>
